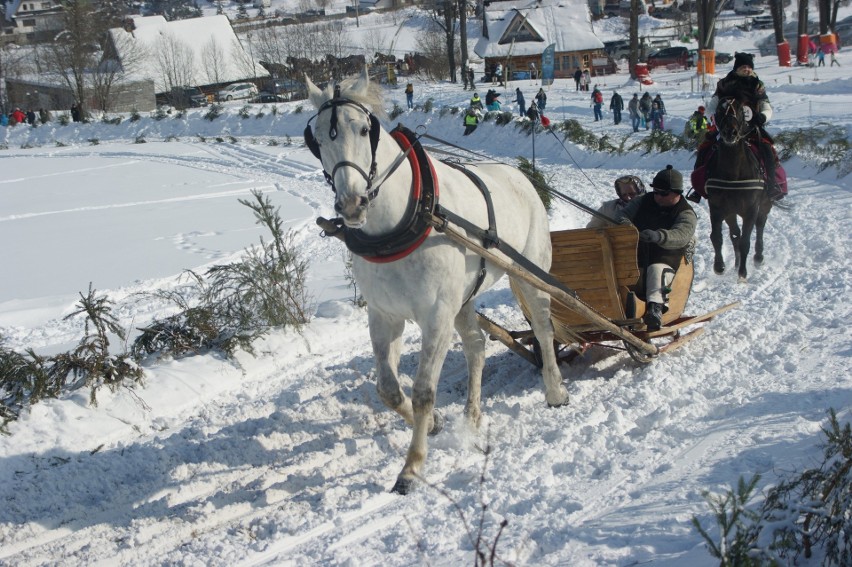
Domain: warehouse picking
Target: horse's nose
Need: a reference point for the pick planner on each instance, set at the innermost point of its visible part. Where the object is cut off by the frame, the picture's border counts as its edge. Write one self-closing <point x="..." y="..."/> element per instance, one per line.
<point x="337" y="207"/>
<point x="363" y="202"/>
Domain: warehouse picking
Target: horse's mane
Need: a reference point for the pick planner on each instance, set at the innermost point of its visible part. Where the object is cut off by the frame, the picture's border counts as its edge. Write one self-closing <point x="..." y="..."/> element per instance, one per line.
<point x="359" y="89"/>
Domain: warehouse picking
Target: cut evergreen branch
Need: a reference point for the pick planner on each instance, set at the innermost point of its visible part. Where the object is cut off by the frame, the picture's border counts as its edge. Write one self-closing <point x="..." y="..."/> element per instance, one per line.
<point x="238" y="302"/>
<point x="540" y="182"/>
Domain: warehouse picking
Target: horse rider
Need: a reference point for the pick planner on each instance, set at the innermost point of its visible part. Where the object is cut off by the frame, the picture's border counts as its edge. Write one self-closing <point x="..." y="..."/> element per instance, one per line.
<point x="743" y="84"/>
<point x="666" y="224"/>
<point x="627" y="187"/>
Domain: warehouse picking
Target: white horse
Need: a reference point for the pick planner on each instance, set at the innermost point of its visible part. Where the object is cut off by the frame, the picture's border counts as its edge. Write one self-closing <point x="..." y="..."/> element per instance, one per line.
<point x="433" y="283"/>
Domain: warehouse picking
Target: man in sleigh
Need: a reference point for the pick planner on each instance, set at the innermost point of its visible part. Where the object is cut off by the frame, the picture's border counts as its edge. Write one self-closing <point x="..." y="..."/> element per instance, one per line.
<point x="743" y="84"/>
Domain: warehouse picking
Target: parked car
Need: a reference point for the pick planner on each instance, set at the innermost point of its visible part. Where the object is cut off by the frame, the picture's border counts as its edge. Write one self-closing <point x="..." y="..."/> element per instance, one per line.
<point x="721" y="57"/>
<point x="674" y="56"/>
<point x="762" y="23"/>
<point x="185" y="97"/>
<point x="290" y="89"/>
<point x="237" y="91"/>
<point x="264" y="96"/>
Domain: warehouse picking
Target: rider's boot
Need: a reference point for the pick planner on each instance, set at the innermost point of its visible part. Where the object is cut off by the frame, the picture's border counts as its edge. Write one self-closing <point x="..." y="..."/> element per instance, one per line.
<point x="653" y="317"/>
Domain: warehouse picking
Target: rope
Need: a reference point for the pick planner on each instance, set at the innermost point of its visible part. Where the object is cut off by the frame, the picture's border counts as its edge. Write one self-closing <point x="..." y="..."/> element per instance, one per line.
<point x="583" y="207"/>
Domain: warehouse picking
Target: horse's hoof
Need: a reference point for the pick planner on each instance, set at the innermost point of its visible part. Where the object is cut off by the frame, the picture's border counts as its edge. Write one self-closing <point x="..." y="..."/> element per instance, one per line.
<point x="719" y="269"/>
<point x="758" y="260"/>
<point x="403" y="486"/>
<point x="563" y="402"/>
<point x="742" y="279"/>
<point x="437" y="423"/>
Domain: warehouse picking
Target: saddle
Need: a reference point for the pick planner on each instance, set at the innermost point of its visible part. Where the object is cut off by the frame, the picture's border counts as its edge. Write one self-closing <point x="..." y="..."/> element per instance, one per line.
<point x="702" y="176"/>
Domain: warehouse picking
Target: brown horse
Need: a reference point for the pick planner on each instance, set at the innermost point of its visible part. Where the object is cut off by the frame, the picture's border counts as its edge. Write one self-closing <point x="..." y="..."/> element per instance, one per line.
<point x="736" y="188"/>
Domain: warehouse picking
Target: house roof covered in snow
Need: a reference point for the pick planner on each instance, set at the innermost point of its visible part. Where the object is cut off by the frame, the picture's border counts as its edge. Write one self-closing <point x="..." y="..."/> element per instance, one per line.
<point x="536" y="24"/>
<point x="180" y="52"/>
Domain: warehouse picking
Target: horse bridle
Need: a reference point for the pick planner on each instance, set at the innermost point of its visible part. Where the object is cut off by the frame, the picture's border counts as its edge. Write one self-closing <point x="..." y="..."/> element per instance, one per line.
<point x="313" y="144"/>
<point x="728" y="109"/>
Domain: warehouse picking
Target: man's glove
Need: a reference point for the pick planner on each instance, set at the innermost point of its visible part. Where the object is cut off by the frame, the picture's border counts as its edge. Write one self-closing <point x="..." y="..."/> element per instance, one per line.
<point x="759" y="119"/>
<point x="653" y="236"/>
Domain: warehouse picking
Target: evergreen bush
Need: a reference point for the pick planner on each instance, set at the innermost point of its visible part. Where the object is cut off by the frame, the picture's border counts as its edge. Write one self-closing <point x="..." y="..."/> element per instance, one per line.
<point x="214" y="112"/>
<point x="808" y="515"/>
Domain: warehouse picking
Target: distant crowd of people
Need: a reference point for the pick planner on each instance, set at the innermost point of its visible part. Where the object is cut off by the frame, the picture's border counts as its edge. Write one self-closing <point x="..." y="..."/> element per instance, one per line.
<point x="18" y="116"/>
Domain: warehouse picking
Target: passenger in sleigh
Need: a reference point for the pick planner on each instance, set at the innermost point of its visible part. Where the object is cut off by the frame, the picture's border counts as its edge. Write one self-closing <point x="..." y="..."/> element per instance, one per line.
<point x="666" y="224"/>
<point x="627" y="187"/>
<point x="743" y="84"/>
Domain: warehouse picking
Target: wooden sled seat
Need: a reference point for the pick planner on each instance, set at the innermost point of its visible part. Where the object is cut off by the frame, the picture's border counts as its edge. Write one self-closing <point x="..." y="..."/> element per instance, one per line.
<point x="600" y="265"/>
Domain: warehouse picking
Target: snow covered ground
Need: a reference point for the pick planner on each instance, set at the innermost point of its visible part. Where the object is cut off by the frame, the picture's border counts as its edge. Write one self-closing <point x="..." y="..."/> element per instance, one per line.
<point x="287" y="458"/>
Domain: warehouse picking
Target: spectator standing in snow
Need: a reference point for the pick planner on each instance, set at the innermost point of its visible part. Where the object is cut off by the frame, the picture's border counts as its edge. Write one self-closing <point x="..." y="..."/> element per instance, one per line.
<point x="616" y="105"/>
<point x="659" y="100"/>
<point x="645" y="109"/>
<point x="633" y="110"/>
<point x="834" y="60"/>
<point x="578" y="75"/>
<point x="522" y="103"/>
<point x="820" y="57"/>
<point x="409" y="95"/>
<point x="597" y="103"/>
<point x="541" y="99"/>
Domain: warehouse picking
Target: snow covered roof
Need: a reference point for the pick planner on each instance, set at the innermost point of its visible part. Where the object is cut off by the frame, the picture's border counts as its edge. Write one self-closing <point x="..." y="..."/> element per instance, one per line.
<point x="536" y="24"/>
<point x="154" y="34"/>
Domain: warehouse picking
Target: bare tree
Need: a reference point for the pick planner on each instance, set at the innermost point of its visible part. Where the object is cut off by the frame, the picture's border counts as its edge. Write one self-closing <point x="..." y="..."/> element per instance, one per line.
<point x="802" y="29"/>
<point x="213" y="60"/>
<point x="14" y="62"/>
<point x="444" y="14"/>
<point x="776" y="8"/>
<point x="634" y="37"/>
<point x="432" y="44"/>
<point x="75" y="51"/>
<point x="113" y="69"/>
<point x="175" y="62"/>
<point x="375" y="41"/>
<point x="462" y="9"/>
<point x="333" y="36"/>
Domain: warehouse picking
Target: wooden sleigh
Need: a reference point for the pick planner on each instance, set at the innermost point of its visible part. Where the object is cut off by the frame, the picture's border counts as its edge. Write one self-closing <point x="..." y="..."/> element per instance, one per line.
<point x="599" y="264"/>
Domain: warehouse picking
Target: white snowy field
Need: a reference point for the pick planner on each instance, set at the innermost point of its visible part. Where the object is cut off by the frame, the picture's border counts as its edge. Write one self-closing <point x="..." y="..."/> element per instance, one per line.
<point x="287" y="458"/>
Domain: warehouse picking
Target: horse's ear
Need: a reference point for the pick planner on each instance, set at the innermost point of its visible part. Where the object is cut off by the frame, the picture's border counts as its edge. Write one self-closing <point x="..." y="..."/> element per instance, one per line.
<point x="314" y="93"/>
<point x="362" y="85"/>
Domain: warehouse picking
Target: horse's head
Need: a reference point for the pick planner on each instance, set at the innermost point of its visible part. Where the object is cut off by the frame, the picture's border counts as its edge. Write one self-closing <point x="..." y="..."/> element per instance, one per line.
<point x="345" y="137"/>
<point x="733" y="119"/>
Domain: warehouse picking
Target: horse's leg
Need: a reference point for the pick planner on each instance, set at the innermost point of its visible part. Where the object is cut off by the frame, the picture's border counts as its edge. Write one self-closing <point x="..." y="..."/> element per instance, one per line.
<point x="473" y="343"/>
<point x="436" y="336"/>
<point x="745" y="241"/>
<point x="716" y="218"/>
<point x="538" y="303"/>
<point x="762" y="215"/>
<point x="735" y="235"/>
<point x="386" y="335"/>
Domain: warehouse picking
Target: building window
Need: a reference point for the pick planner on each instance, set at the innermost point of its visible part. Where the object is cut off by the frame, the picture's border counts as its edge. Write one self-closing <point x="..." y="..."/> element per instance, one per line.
<point x="29" y="23"/>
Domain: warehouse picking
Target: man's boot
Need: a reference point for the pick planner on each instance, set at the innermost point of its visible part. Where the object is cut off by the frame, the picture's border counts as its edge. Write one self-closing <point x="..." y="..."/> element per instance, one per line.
<point x="653" y="317"/>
